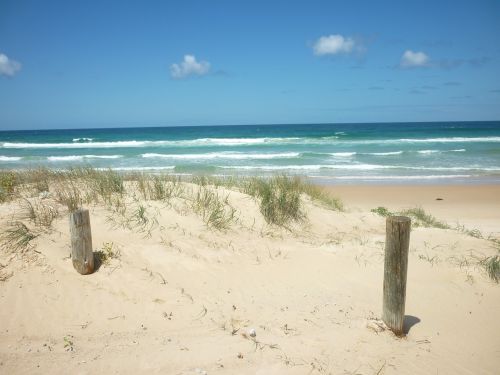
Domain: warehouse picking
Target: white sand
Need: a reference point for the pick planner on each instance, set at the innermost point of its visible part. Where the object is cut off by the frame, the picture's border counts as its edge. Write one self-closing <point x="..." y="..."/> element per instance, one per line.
<point x="180" y="300"/>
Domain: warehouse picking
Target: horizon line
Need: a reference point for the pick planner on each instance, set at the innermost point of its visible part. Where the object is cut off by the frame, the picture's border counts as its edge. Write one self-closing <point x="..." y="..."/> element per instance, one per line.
<point x="261" y="124"/>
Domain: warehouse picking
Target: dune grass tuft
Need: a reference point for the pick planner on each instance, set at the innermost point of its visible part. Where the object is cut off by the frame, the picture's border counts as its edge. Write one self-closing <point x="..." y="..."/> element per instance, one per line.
<point x="8" y="180"/>
<point x="382" y="211"/>
<point x="492" y="267"/>
<point x="106" y="183"/>
<point x="39" y="213"/>
<point x="40" y="178"/>
<point x="215" y="209"/>
<point x="323" y="197"/>
<point x="423" y="219"/>
<point x="69" y="195"/>
<point x="36" y="180"/>
<point x="279" y="198"/>
<point x="159" y="187"/>
<point x="418" y="214"/>
<point x="476" y="233"/>
<point x="17" y="236"/>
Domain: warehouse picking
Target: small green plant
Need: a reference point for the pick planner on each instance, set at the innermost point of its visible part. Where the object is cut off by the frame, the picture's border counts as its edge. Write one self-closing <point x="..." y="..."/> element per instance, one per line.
<point x="140" y="219"/>
<point x="107" y="253"/>
<point x="68" y="343"/>
<point x="382" y="211"/>
<point x="492" y="267"/>
<point x="428" y="258"/>
<point x="140" y="216"/>
<point x="16" y="237"/>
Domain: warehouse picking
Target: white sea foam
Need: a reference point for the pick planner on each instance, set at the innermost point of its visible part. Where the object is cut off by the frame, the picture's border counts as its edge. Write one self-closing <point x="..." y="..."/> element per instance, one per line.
<point x="271" y="167"/>
<point x="241" y="142"/>
<point x="223" y="155"/>
<point x="103" y="156"/>
<point x="82" y="157"/>
<point x="10" y="158"/>
<point x="65" y="158"/>
<point x="392" y="177"/>
<point x="468" y="168"/>
<point x="452" y="139"/>
<point x="426" y="152"/>
<point x="422" y="140"/>
<point x="138" y="168"/>
<point x="134" y="143"/>
<point x="343" y="154"/>
<point x="384" y="153"/>
<point x="83" y="139"/>
<point x="76" y="145"/>
<point x="307" y="167"/>
<point x="358" y="167"/>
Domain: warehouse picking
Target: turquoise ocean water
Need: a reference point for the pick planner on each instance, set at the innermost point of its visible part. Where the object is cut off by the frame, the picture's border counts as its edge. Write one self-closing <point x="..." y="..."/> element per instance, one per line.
<point x="440" y="152"/>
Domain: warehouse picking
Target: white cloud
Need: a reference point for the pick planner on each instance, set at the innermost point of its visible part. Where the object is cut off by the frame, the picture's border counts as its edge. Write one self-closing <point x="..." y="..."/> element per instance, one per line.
<point x="412" y="59"/>
<point x="8" y="67"/>
<point x="333" y="44"/>
<point x="189" y="67"/>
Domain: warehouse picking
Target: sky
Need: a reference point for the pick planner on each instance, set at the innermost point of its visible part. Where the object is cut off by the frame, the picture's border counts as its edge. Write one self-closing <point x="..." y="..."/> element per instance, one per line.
<point x="69" y="64"/>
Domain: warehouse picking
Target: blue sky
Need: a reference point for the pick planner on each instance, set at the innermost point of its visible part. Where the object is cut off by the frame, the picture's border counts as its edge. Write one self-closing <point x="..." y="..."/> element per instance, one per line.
<point x="147" y="63"/>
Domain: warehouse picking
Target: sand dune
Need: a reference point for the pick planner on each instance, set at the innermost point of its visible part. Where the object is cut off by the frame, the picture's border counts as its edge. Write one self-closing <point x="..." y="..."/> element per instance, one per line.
<point x="181" y="298"/>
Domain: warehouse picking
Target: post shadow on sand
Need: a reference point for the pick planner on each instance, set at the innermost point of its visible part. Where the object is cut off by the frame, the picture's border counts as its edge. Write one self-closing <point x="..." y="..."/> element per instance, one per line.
<point x="409" y="321"/>
<point x="98" y="255"/>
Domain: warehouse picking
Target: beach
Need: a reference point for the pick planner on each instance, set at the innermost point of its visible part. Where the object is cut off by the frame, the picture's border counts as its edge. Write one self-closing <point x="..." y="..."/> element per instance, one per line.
<point x="250" y="188"/>
<point x="178" y="295"/>
<point x="470" y="205"/>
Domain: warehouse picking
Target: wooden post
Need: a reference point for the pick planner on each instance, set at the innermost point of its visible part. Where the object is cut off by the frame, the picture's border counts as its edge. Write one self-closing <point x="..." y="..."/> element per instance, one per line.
<point x="81" y="241"/>
<point x="397" y="241"/>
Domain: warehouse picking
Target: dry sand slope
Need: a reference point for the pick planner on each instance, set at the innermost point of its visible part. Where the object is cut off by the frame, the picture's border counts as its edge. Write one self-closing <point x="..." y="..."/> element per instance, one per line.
<point x="182" y="298"/>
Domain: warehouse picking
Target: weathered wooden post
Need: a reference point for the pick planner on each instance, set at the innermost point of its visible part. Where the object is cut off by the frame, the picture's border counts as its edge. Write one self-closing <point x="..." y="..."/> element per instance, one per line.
<point x="397" y="241"/>
<point x="81" y="241"/>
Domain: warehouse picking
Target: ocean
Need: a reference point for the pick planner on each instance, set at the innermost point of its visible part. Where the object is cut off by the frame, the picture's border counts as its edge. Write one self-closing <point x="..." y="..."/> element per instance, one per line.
<point x="437" y="152"/>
